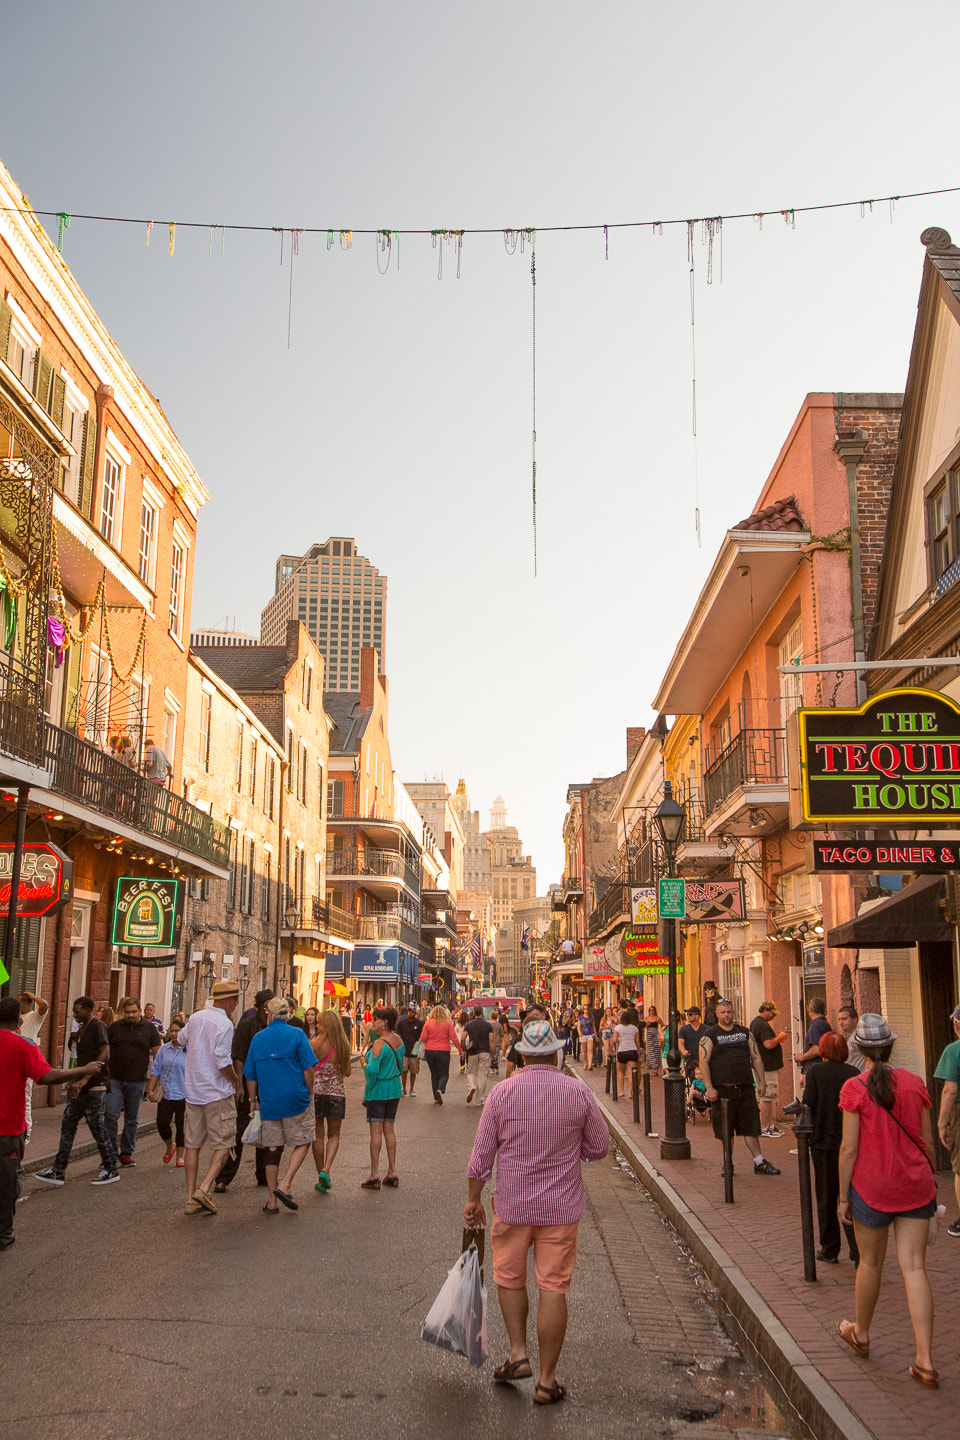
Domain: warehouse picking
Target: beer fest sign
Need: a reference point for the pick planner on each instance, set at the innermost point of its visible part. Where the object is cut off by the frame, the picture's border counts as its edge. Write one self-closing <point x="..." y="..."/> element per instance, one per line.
<point x="148" y="912"/>
<point x="894" y="760"/>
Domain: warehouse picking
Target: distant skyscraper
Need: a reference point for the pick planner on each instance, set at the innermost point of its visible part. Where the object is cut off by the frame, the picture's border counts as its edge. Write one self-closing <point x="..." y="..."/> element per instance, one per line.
<point x="340" y="598"/>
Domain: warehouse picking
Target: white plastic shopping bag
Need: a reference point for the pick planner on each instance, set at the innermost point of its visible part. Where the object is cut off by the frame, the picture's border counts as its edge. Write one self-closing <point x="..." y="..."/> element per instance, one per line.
<point x="458" y="1317"/>
<point x="251" y="1136"/>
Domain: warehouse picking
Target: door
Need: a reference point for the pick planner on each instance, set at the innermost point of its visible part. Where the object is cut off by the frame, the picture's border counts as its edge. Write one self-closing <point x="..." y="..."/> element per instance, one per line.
<point x="79" y="954"/>
<point x="798" y="1022"/>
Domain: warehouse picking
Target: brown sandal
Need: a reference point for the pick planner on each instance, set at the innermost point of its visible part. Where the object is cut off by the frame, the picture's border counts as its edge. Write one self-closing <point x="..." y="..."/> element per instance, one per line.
<point x="512" y="1370"/>
<point x="370" y="1184"/>
<point x="544" y="1395"/>
<point x="847" y="1330"/>
<point x="923" y="1376"/>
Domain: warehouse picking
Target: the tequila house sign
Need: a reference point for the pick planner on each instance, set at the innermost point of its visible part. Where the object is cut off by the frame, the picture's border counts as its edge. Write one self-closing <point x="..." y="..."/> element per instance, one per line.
<point x="894" y="759"/>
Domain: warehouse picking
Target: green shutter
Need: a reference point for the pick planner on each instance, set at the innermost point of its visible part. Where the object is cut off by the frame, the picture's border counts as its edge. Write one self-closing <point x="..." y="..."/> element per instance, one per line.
<point x="59" y="395"/>
<point x="26" y="954"/>
<point x="44" y="373"/>
<point x="72" y="687"/>
<point x="5" y="318"/>
<point x="85" y="498"/>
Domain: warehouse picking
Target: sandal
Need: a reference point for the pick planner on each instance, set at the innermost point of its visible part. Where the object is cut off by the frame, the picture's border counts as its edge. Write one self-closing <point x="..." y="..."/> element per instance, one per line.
<point x="285" y="1199"/>
<point x="543" y="1395"/>
<point x="168" y="1155"/>
<point x="847" y="1330"/>
<point x="512" y="1370"/>
<point x="923" y="1376"/>
<point x="392" y="1180"/>
<point x="269" y="1210"/>
<point x="370" y="1184"/>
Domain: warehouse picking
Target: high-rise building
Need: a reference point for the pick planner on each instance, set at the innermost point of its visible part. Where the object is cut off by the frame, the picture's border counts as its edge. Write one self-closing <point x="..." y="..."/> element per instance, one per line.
<point x="513" y="880"/>
<point x="341" y="600"/>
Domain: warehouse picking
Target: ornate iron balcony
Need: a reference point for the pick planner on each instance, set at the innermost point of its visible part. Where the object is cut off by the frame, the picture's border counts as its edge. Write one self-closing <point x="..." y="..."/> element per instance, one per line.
<point x="754" y="757"/>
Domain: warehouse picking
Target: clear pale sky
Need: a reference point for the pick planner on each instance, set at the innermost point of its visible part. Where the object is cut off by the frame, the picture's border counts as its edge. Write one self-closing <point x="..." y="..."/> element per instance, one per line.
<point x="401" y="412"/>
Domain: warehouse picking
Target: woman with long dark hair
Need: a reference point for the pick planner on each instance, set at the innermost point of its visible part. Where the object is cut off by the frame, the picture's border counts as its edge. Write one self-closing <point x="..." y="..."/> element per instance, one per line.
<point x="383" y="1065"/>
<point x="311" y="1022"/>
<point x="166" y="1085"/>
<point x="887" y="1177"/>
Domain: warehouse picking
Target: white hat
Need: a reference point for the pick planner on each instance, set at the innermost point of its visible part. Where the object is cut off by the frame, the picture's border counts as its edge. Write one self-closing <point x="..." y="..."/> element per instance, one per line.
<point x="539" y="1039"/>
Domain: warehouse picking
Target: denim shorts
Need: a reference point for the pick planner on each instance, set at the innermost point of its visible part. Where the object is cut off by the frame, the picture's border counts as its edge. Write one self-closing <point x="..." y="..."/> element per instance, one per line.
<point x="380" y="1110"/>
<point x="329" y="1107"/>
<point x="865" y="1214"/>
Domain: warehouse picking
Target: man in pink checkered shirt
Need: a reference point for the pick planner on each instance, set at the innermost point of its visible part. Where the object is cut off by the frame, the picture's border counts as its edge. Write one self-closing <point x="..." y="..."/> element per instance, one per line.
<point x="537" y="1126"/>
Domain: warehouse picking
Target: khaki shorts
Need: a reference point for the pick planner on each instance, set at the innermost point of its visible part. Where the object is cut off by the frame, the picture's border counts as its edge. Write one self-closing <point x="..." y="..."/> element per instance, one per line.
<point x="955" y="1140"/>
<point x="215" y="1122"/>
<point x="294" y="1130"/>
<point x="771" y="1086"/>
<point x="411" y="1065"/>
<point x="554" y="1255"/>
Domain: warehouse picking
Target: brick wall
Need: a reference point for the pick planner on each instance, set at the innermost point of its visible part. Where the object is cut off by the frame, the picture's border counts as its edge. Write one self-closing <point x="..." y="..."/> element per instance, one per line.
<point x="880" y="425"/>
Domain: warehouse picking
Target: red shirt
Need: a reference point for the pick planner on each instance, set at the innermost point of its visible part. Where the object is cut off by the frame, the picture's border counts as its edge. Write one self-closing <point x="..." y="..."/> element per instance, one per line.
<point x="19" y="1061"/>
<point x="890" y="1172"/>
<point x="440" y="1035"/>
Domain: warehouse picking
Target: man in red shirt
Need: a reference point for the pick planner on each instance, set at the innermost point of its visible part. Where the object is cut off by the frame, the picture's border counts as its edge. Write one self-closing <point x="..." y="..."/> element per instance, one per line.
<point x="19" y="1062"/>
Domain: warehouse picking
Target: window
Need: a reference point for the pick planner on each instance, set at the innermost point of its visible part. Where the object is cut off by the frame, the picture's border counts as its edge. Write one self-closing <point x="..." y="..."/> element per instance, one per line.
<point x="110" y="498"/>
<point x="319" y="789"/>
<point x="23" y="346"/>
<point x="74" y="428"/>
<point x="265" y="886"/>
<point x="334" y="798"/>
<point x="246" y="876"/>
<point x="307" y="684"/>
<point x="290" y="777"/>
<point x="239" y="778"/>
<point x="269" y="782"/>
<point x="148" y="542"/>
<point x="176" y="589"/>
<point x="941" y="540"/>
<point x="169" y="744"/>
<point x="232" y="869"/>
<point x="253" y="768"/>
<point x="302" y="776"/>
<point x="791" y="686"/>
<point x="206" y="708"/>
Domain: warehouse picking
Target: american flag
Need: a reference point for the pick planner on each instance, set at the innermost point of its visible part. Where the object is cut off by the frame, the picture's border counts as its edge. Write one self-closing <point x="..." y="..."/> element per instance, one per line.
<point x="476" y="950"/>
<point x="525" y="938"/>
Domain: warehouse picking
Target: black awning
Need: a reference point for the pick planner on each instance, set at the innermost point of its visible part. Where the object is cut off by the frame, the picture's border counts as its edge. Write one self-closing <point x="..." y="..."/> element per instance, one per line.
<point x="909" y="917"/>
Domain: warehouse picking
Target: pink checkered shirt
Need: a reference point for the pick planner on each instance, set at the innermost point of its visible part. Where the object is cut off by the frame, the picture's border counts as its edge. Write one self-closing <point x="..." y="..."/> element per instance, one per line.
<point x="538" y="1126"/>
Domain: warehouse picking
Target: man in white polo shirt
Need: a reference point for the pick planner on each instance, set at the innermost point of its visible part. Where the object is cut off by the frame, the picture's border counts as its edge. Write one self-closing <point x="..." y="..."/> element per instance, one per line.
<point x="212" y="1084"/>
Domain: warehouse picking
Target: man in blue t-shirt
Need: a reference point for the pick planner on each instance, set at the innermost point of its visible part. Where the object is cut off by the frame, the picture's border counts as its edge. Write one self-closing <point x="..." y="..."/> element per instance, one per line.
<point x="948" y="1122"/>
<point x="279" y="1074"/>
<point x="819" y="1026"/>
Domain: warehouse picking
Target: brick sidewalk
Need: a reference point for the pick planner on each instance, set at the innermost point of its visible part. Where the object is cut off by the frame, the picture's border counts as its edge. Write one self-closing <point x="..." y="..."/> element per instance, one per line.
<point x="760" y="1233"/>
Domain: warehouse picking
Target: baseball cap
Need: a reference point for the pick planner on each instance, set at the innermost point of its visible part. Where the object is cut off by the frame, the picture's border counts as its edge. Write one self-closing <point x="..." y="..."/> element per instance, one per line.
<point x="693" y="1010"/>
<point x="278" y="1008"/>
<point x="769" y="1005"/>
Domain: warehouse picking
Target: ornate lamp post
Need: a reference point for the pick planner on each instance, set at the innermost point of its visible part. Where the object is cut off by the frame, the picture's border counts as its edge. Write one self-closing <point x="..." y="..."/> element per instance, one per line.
<point x="670" y="819"/>
<point x="292" y="918"/>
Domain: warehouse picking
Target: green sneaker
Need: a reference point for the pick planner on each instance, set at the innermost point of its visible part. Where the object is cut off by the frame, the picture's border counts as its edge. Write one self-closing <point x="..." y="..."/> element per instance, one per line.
<point x="323" y="1181"/>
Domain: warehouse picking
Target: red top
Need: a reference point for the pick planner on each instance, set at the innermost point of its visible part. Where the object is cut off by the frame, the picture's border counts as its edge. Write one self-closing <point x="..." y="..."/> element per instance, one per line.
<point x="890" y="1172"/>
<point x="19" y="1061"/>
<point x="440" y="1035"/>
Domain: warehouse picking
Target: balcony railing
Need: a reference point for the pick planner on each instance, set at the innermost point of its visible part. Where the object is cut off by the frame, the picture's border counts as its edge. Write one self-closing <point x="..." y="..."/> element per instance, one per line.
<point x="614" y="904"/>
<point x="333" y="919"/>
<point x="82" y="772"/>
<point x="378" y="927"/>
<point x="754" y="757"/>
<point x="357" y="863"/>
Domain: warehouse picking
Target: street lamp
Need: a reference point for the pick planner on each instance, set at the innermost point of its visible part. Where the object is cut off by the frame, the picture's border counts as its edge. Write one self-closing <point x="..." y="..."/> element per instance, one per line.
<point x="292" y="918"/>
<point x="670" y="819"/>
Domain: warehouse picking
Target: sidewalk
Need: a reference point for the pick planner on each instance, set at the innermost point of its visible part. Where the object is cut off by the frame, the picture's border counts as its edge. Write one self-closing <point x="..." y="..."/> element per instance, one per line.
<point x="46" y="1134"/>
<point x="752" y="1252"/>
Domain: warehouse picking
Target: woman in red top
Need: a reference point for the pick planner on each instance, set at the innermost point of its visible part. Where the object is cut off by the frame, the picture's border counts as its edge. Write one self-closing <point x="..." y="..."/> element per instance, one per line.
<point x="887" y="1176"/>
<point x="437" y="1036"/>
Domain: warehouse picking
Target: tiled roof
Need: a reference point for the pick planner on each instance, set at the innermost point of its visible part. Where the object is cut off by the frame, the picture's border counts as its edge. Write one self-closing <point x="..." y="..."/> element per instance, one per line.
<point x="247" y="667"/>
<point x="781" y="515"/>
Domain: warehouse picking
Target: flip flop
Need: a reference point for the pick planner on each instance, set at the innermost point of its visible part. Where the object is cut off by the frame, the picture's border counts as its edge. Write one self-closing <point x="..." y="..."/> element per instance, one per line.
<point x="930" y="1378"/>
<point x="551" y="1396"/>
<point x="512" y="1370"/>
<point x="392" y="1180"/>
<point x="847" y="1330"/>
<point x="370" y="1184"/>
<point x="268" y="1211"/>
<point x="285" y="1199"/>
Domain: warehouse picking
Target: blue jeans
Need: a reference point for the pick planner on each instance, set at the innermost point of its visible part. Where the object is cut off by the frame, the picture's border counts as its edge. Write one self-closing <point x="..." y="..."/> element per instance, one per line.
<point x="89" y="1105"/>
<point x="125" y="1095"/>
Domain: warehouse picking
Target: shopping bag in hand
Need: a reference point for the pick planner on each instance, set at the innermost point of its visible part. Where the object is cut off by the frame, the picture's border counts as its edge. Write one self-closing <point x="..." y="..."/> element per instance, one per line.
<point x="251" y="1136"/>
<point x="458" y="1317"/>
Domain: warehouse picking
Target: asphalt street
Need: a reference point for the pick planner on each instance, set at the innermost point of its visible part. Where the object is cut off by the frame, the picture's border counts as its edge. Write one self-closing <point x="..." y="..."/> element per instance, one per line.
<point x="228" y="1327"/>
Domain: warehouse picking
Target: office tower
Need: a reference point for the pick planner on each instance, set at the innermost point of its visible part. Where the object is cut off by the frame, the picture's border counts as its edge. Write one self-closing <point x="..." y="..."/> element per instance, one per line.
<point x="341" y="600"/>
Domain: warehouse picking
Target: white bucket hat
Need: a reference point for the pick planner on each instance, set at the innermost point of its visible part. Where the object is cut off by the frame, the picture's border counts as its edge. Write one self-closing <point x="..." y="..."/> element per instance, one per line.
<point x="539" y="1039"/>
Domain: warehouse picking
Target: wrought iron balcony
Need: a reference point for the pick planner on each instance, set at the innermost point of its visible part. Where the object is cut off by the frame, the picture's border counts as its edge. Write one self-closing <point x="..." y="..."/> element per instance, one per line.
<point x="571" y="887"/>
<point x="347" y="864"/>
<point x="333" y="919"/>
<point x="83" y="772"/>
<point x="754" y="761"/>
<point x="613" y="906"/>
<point x="378" y="927"/>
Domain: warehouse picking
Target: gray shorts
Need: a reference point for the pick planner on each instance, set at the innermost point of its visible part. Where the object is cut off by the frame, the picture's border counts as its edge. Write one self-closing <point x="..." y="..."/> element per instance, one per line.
<point x="293" y="1130"/>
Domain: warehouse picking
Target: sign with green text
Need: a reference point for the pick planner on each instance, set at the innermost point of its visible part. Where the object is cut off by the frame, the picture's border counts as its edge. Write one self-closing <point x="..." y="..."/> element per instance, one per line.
<point x="673" y="898"/>
<point x="894" y="760"/>
<point x="148" y="911"/>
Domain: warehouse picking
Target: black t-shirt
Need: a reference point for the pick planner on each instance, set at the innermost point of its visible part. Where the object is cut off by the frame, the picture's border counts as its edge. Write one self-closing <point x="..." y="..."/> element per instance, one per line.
<point x="762" y="1030"/>
<point x="131" y="1047"/>
<point x="513" y="1054"/>
<point x="730" y="1062"/>
<point x="691" y="1038"/>
<point x="409" y="1032"/>
<point x="479" y="1032"/>
<point x="93" y="1034"/>
<point x="249" y="1026"/>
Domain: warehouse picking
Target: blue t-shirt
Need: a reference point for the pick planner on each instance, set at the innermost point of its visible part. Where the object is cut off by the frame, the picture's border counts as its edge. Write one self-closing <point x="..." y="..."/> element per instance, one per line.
<point x="277" y="1059"/>
<point x="819" y="1026"/>
<point x="168" y="1066"/>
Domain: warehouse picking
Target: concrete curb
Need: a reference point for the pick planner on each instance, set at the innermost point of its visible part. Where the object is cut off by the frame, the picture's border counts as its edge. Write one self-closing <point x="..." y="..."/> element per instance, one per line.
<point x="79" y="1151"/>
<point x="811" y="1396"/>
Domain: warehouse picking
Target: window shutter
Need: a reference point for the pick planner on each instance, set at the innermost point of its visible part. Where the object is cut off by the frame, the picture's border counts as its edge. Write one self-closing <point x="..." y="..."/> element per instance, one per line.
<point x="6" y="316"/>
<point x="73" y="685"/>
<point x="85" y="496"/>
<point x="43" y="372"/>
<point x="59" y="395"/>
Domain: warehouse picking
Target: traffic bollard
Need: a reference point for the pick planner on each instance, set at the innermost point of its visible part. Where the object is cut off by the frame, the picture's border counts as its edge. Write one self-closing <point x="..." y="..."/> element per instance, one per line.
<point x="803" y="1129"/>
<point x="727" y="1140"/>
<point x="614" y="1092"/>
<point x="606" y="1088"/>
<point x="636" y="1096"/>
<point x="647" y="1105"/>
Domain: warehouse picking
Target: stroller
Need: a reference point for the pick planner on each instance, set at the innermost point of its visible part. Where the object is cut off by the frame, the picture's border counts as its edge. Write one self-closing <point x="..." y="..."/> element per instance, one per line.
<point x="696" y="1098"/>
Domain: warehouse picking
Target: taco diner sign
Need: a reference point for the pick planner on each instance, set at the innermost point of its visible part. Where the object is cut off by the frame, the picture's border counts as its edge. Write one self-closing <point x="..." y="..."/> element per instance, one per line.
<point x="894" y="759"/>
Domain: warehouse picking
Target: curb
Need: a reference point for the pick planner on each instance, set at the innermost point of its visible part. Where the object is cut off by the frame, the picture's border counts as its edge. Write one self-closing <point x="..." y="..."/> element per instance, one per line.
<point x="79" y="1152"/>
<point x="815" y="1401"/>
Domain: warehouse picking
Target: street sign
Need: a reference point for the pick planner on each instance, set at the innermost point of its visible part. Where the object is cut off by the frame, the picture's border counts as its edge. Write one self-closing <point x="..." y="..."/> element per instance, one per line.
<point x="673" y="900"/>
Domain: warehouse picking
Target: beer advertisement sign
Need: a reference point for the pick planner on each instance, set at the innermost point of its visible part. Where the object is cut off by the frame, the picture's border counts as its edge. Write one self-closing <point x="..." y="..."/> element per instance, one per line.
<point x="148" y="912"/>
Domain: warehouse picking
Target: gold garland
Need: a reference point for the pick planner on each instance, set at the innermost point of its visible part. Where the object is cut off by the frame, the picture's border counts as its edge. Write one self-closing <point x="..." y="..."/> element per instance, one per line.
<point x="76" y="637"/>
<point x="16" y="588"/>
<point x="124" y="678"/>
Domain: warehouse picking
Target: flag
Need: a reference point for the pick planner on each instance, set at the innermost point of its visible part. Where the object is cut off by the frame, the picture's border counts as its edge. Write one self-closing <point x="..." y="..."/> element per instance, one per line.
<point x="4" y="973"/>
<point x="476" y="950"/>
<point x="525" y="938"/>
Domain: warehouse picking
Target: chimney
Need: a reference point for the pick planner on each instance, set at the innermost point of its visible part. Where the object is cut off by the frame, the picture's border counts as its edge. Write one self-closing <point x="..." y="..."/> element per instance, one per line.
<point x="293" y="641"/>
<point x="635" y="734"/>
<point x="368" y="677"/>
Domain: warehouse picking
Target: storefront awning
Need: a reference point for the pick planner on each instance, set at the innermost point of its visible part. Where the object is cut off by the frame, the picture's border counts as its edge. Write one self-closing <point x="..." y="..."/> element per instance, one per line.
<point x="909" y="917"/>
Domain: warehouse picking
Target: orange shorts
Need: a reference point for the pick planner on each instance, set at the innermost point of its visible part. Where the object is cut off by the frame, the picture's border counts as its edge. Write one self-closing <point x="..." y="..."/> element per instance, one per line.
<point x="554" y="1255"/>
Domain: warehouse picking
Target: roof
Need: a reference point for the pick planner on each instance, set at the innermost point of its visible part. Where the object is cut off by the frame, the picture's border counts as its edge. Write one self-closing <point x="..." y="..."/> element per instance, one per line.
<point x="780" y="515"/>
<point x="349" y="720"/>
<point x="247" y="667"/>
<point x="942" y="253"/>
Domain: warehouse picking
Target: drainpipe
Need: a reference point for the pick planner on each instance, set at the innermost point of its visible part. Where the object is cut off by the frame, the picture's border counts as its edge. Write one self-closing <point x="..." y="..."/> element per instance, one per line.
<point x="850" y="447"/>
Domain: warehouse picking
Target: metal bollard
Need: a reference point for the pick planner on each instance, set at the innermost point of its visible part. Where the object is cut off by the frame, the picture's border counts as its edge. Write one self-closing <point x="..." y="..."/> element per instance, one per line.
<point x="803" y="1129"/>
<point x="615" y="1092"/>
<point x="727" y="1140"/>
<point x="647" y="1105"/>
<point x="606" y="1088"/>
<point x="636" y="1096"/>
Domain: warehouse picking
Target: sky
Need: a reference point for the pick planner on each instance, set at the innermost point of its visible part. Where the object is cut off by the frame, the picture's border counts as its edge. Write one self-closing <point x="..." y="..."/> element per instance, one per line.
<point x="401" y="410"/>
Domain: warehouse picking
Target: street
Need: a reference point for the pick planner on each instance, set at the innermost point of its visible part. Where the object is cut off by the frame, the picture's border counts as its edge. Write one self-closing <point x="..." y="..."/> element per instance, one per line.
<point x="232" y="1325"/>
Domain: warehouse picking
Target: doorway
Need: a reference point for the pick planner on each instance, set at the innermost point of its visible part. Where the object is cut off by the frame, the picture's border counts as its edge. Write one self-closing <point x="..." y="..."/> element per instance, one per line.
<point x="77" y="979"/>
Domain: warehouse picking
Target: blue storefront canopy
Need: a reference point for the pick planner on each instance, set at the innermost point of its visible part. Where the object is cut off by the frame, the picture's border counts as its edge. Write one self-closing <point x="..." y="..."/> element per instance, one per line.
<point x="375" y="962"/>
<point x="334" y="968"/>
